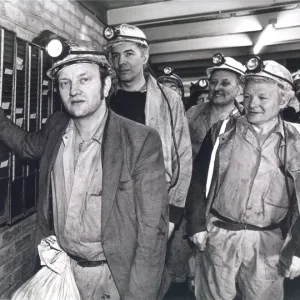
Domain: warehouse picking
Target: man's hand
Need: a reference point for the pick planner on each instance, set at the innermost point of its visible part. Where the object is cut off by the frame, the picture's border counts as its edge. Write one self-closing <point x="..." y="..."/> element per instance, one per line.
<point x="171" y="229"/>
<point x="199" y="239"/>
<point x="294" y="270"/>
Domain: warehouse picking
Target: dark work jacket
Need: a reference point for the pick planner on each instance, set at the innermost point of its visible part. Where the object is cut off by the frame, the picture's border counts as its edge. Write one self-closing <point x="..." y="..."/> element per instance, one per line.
<point x="198" y="206"/>
<point x="134" y="212"/>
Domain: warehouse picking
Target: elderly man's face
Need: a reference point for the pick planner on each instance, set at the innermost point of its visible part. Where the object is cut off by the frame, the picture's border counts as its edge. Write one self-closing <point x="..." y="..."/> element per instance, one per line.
<point x="224" y="86"/>
<point x="128" y="61"/>
<point x="80" y="89"/>
<point x="261" y="101"/>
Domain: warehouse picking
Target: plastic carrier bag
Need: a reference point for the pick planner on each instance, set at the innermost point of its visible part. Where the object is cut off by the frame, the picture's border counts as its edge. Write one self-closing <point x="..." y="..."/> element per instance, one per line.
<point x="55" y="281"/>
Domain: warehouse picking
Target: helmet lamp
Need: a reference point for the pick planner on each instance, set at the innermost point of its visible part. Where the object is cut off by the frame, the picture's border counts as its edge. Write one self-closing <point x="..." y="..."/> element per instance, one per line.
<point x="203" y="83"/>
<point x="168" y="70"/>
<point x="218" y="59"/>
<point x="254" y="65"/>
<point x="57" y="48"/>
<point x="109" y="33"/>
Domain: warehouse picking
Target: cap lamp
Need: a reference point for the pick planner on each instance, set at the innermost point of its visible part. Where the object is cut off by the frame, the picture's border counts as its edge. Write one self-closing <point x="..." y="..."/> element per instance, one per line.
<point x="168" y="70"/>
<point x="254" y="64"/>
<point x="109" y="33"/>
<point x="218" y="59"/>
<point x="203" y="83"/>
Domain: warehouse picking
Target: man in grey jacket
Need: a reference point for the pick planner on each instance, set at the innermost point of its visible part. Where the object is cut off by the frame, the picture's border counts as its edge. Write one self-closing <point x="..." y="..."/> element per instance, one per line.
<point x="106" y="175"/>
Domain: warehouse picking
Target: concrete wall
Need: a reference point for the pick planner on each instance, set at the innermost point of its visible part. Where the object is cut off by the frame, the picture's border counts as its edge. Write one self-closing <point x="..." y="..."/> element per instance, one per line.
<point x="28" y="18"/>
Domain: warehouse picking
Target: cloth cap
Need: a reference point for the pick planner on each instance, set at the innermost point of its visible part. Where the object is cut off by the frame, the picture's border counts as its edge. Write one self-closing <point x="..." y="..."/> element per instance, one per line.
<point x="69" y="59"/>
<point x="230" y="64"/>
<point x="128" y="33"/>
<point x="274" y="71"/>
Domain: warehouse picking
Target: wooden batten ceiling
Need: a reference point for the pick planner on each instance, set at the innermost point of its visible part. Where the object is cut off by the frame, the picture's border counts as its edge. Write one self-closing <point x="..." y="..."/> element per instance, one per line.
<point x="184" y="34"/>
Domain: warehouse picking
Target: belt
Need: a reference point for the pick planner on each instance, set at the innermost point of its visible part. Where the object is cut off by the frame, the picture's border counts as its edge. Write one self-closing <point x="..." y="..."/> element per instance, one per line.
<point x="87" y="263"/>
<point x="228" y="224"/>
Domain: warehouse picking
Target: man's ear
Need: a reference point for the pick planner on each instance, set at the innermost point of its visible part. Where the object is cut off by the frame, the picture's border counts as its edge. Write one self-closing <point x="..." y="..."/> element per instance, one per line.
<point x="145" y="58"/>
<point x="240" y="89"/>
<point x="285" y="97"/>
<point x="107" y="86"/>
<point x="284" y="101"/>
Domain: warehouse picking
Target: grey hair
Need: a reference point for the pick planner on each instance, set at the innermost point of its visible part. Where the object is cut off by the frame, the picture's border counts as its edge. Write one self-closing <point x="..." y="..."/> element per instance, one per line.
<point x="285" y="95"/>
<point x="144" y="50"/>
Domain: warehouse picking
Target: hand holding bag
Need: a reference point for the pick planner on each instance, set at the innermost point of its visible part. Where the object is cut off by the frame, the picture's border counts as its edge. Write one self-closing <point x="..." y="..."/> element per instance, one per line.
<point x="55" y="280"/>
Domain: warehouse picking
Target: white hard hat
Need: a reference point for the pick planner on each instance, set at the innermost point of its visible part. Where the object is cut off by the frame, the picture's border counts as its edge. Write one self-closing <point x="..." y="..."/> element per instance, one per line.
<point x="77" y="51"/>
<point x="170" y="76"/>
<point x="124" y="33"/>
<point x="225" y="63"/>
<point x="269" y="69"/>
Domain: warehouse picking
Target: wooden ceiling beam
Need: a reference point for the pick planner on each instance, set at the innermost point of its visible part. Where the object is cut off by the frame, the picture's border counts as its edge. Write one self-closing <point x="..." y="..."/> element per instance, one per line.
<point x="284" y="51"/>
<point x="205" y="43"/>
<point x="252" y="23"/>
<point x="168" y="10"/>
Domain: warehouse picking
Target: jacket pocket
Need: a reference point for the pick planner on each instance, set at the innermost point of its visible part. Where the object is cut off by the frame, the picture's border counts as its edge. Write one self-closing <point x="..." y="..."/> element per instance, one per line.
<point x="276" y="200"/>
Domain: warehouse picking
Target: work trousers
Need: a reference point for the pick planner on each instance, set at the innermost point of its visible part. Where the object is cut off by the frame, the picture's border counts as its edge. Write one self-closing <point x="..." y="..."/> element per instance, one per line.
<point x="248" y="258"/>
<point x="95" y="283"/>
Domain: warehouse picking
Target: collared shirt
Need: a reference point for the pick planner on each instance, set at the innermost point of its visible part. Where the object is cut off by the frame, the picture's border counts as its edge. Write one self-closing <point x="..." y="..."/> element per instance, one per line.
<point x="77" y="190"/>
<point x="253" y="190"/>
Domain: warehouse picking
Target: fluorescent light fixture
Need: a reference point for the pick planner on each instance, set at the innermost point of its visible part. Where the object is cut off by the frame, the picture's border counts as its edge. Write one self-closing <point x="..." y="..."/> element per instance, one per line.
<point x="265" y="37"/>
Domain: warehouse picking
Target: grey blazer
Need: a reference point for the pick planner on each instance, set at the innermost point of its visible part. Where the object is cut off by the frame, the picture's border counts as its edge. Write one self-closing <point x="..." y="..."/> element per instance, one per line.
<point x="134" y="212"/>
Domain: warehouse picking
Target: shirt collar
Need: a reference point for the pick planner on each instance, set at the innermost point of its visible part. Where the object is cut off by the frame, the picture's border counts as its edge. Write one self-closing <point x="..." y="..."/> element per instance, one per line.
<point x="97" y="135"/>
<point x="278" y="127"/>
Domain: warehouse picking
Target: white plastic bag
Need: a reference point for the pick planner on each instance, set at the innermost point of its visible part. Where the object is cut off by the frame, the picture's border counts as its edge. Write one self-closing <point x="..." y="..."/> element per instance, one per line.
<point x="55" y="280"/>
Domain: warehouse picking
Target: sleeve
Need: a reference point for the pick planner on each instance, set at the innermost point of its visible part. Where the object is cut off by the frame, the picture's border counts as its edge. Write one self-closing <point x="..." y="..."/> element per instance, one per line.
<point x="152" y="214"/>
<point x="28" y="145"/>
<point x="291" y="245"/>
<point x="291" y="222"/>
<point x="196" y="200"/>
<point x="178" y="193"/>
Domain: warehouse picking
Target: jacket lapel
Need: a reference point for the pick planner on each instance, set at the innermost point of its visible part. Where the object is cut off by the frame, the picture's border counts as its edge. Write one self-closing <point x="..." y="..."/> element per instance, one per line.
<point x="51" y="152"/>
<point x="112" y="163"/>
<point x="153" y="105"/>
<point x="56" y="141"/>
<point x="224" y="154"/>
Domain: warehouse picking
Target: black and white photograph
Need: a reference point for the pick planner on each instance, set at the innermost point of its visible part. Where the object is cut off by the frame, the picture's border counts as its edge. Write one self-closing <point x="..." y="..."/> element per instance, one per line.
<point x="149" y="150"/>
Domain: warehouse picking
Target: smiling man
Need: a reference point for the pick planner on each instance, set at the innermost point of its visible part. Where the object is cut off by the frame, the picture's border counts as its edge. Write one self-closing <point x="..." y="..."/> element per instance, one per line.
<point x="106" y="175"/>
<point x="224" y="87"/>
<point x="244" y="190"/>
<point x="137" y="96"/>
